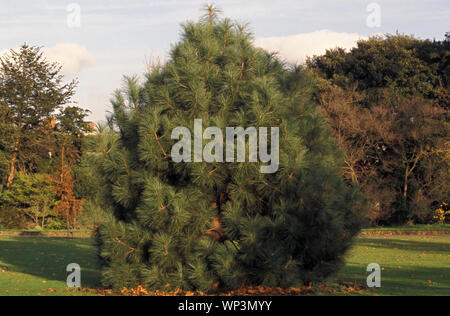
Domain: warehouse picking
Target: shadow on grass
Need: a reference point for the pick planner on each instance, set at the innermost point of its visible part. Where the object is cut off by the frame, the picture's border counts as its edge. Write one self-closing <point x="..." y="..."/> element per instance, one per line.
<point x="413" y="281"/>
<point x="410" y="245"/>
<point x="48" y="258"/>
<point x="415" y="266"/>
<point x="31" y="234"/>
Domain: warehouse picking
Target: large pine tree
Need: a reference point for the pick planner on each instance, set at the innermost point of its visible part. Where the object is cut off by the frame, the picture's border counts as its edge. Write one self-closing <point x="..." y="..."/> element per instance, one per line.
<point x="209" y="226"/>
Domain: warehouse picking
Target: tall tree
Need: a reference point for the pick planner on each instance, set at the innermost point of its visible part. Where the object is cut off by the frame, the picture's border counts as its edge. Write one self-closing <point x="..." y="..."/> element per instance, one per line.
<point x="395" y="150"/>
<point x="387" y="102"/>
<point x="67" y="138"/>
<point x="32" y="93"/>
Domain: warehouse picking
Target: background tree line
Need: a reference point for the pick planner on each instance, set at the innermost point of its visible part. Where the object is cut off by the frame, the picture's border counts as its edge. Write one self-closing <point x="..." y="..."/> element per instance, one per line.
<point x="386" y="102"/>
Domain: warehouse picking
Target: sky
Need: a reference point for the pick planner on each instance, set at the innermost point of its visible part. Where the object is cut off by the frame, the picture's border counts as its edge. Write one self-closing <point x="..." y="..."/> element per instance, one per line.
<point x="100" y="41"/>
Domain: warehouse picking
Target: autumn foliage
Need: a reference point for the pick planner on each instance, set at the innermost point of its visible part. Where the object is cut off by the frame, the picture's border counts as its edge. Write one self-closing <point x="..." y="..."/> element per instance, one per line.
<point x="68" y="207"/>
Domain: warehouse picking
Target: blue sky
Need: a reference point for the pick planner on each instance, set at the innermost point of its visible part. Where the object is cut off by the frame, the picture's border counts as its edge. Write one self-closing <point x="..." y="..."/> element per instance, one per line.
<point x="115" y="36"/>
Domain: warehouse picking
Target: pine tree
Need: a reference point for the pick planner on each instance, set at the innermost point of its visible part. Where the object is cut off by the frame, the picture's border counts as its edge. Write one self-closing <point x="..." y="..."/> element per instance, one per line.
<point x="32" y="91"/>
<point x="33" y="101"/>
<point x="209" y="226"/>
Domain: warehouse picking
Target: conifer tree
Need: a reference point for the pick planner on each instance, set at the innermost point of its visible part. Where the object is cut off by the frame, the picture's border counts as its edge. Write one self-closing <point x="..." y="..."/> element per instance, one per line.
<point x="210" y="226"/>
<point x="32" y="93"/>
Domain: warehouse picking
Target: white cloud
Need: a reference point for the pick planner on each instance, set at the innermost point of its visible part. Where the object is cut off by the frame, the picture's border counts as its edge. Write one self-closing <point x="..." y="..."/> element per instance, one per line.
<point x="295" y="48"/>
<point x="72" y="57"/>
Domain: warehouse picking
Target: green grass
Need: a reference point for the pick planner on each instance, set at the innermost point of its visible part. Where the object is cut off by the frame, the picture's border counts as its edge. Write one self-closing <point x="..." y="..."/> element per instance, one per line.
<point x="411" y="265"/>
<point x="37" y="266"/>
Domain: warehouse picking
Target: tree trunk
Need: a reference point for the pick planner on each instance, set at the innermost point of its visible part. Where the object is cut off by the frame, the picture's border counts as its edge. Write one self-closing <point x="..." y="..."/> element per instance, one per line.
<point x="12" y="171"/>
<point x="43" y="221"/>
<point x="405" y="186"/>
<point x="408" y="172"/>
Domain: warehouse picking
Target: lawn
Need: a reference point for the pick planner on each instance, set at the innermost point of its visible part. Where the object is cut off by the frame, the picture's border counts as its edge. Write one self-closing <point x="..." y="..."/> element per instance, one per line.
<point x="37" y="266"/>
<point x="411" y="265"/>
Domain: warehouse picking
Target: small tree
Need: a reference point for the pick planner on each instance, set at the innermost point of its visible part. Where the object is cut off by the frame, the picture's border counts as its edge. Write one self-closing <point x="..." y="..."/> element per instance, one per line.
<point x="31" y="195"/>
<point x="68" y="207"/>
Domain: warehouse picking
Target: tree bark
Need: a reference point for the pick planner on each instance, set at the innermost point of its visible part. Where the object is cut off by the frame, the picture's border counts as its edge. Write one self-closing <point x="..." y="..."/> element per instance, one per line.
<point x="408" y="172"/>
<point x="12" y="171"/>
<point x="405" y="186"/>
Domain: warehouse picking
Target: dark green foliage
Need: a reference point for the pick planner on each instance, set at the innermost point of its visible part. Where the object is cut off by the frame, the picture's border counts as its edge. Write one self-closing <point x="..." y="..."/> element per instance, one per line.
<point x="209" y="225"/>
<point x="407" y="65"/>
<point x="89" y="178"/>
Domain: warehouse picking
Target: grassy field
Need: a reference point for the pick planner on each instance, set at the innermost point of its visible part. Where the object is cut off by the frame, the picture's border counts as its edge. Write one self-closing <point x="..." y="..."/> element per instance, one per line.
<point x="411" y="265"/>
<point x="37" y="266"/>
